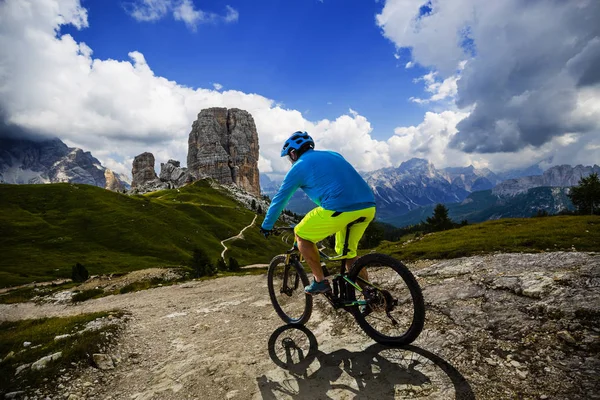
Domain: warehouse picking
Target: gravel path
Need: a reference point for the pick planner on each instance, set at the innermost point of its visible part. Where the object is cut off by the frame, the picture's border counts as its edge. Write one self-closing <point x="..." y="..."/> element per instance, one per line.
<point x="492" y="332"/>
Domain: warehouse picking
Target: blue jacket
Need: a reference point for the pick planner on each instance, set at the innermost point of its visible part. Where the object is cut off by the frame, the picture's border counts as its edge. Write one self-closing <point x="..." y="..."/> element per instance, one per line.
<point x="328" y="179"/>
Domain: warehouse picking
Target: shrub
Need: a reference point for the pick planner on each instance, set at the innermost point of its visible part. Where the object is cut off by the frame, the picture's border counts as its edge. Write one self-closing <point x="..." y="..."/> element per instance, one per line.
<point x="201" y="264"/>
<point x="79" y="273"/>
<point x="221" y="265"/>
<point x="233" y="264"/>
<point x="87" y="294"/>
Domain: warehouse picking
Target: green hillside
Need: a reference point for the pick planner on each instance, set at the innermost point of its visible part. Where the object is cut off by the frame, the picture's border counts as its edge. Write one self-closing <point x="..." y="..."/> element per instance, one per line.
<point x="483" y="205"/>
<point x="46" y="229"/>
<point x="581" y="233"/>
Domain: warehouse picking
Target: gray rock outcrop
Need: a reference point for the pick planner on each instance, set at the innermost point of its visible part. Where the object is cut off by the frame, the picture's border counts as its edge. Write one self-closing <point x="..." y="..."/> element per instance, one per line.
<point x="172" y="175"/>
<point x="223" y="145"/>
<point x="142" y="172"/>
<point x="171" y="172"/>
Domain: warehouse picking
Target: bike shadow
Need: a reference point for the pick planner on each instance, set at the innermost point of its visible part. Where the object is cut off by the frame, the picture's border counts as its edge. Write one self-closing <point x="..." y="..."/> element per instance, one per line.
<point x="377" y="372"/>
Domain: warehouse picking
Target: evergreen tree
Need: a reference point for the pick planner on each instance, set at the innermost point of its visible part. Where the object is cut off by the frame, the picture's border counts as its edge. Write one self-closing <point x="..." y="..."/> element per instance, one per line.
<point x="221" y="264"/>
<point x="259" y="210"/>
<point x="372" y="237"/>
<point x="586" y="195"/>
<point x="201" y="264"/>
<point x="253" y="205"/>
<point x="79" y="273"/>
<point x="233" y="264"/>
<point x="440" y="221"/>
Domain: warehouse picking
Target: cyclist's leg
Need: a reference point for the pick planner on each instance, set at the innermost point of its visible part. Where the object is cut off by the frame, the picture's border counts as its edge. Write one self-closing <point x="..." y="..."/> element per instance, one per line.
<point x="314" y="227"/>
<point x="356" y="230"/>
<point x="356" y="233"/>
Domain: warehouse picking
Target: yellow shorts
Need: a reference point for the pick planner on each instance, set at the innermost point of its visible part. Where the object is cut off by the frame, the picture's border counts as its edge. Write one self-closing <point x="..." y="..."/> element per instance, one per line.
<point x="320" y="223"/>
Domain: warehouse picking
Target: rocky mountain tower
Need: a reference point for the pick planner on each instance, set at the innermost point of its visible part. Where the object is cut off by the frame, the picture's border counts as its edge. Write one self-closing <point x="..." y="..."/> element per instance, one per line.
<point x="223" y="144"/>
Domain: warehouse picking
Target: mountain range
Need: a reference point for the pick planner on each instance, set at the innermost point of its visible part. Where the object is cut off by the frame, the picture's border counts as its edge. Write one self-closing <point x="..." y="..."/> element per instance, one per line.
<point x="406" y="194"/>
<point x="52" y="161"/>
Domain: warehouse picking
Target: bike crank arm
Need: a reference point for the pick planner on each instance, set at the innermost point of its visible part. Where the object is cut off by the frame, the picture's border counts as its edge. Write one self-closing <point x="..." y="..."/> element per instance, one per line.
<point x="394" y="322"/>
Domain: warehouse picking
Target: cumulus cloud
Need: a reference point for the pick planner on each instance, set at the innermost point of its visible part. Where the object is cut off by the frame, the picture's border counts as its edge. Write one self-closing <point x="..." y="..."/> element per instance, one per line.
<point x="51" y="85"/>
<point x="217" y="86"/>
<point x="431" y="138"/>
<point x="182" y="10"/>
<point x="532" y="74"/>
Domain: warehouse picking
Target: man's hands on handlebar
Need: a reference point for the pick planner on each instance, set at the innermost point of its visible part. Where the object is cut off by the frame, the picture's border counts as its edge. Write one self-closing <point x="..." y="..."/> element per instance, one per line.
<point x="275" y="231"/>
<point x="266" y="232"/>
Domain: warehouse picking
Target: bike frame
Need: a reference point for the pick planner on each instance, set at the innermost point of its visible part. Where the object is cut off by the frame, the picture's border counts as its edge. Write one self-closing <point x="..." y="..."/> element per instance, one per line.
<point x="338" y="297"/>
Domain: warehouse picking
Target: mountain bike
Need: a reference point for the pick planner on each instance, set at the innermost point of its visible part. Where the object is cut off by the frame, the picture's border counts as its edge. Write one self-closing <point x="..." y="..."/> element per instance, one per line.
<point x="379" y="291"/>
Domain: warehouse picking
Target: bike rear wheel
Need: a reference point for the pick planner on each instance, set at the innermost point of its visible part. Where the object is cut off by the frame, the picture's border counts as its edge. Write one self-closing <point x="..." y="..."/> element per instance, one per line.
<point x="286" y="289"/>
<point x="395" y="314"/>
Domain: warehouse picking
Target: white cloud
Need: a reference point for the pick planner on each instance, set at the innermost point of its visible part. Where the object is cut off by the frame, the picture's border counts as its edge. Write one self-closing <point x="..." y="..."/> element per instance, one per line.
<point x="217" y="86"/>
<point x="440" y="89"/>
<point x="527" y="82"/>
<point x="117" y="109"/>
<point x="232" y="14"/>
<point x="182" y="10"/>
<point x="148" y="10"/>
<point x="430" y="140"/>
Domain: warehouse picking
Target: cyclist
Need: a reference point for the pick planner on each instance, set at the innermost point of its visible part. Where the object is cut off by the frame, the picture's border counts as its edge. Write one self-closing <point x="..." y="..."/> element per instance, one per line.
<point x="341" y="194"/>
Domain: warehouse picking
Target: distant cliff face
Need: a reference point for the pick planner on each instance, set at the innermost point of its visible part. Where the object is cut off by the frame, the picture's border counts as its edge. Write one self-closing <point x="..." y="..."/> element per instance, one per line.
<point x="223" y="145"/>
<point x="50" y="161"/>
<point x="558" y="176"/>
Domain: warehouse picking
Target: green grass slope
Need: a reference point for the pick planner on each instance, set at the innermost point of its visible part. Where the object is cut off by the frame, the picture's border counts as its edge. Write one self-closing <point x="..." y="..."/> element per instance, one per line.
<point x="46" y="229"/>
<point x="506" y="235"/>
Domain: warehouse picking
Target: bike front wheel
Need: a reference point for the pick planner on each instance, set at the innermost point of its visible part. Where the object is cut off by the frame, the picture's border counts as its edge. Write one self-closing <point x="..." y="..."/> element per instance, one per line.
<point x="394" y="311"/>
<point x="286" y="284"/>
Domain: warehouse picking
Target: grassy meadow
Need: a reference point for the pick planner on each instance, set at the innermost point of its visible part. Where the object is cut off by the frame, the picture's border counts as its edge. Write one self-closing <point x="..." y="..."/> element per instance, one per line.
<point x="46" y="229"/>
<point x="511" y="235"/>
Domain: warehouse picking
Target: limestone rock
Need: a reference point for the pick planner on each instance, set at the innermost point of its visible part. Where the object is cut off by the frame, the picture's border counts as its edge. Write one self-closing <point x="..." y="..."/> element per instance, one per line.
<point x="143" y="170"/>
<point x="103" y="361"/>
<point x="171" y="172"/>
<point x="112" y="182"/>
<point x="42" y="362"/>
<point x="223" y="145"/>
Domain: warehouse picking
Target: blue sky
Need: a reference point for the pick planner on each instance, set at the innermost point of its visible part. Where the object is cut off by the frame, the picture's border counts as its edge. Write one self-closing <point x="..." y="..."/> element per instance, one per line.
<point x="457" y="82"/>
<point x="320" y="58"/>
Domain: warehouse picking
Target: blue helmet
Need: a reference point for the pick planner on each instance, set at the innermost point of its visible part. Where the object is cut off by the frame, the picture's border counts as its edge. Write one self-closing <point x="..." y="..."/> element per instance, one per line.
<point x="296" y="141"/>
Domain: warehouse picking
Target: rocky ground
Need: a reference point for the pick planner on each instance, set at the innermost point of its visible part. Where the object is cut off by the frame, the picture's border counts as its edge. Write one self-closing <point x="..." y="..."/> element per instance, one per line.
<point x="500" y="326"/>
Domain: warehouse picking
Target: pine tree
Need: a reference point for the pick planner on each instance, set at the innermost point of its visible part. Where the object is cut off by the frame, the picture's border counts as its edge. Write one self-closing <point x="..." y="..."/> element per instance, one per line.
<point x="79" y="273"/>
<point x="372" y="237"/>
<point x="586" y="195"/>
<point x="260" y="210"/>
<point x="201" y="264"/>
<point x="221" y="265"/>
<point x="253" y="205"/>
<point x="440" y="221"/>
<point x="233" y="264"/>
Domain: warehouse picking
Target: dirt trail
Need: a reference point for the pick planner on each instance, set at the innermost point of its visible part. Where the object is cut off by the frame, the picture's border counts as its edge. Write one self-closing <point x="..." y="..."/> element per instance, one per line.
<point x="492" y="332"/>
<point x="210" y="340"/>
<point x="238" y="236"/>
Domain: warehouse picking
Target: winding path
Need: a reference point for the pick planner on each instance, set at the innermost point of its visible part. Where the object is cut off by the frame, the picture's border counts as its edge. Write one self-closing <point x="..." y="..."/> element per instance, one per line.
<point x="238" y="236"/>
